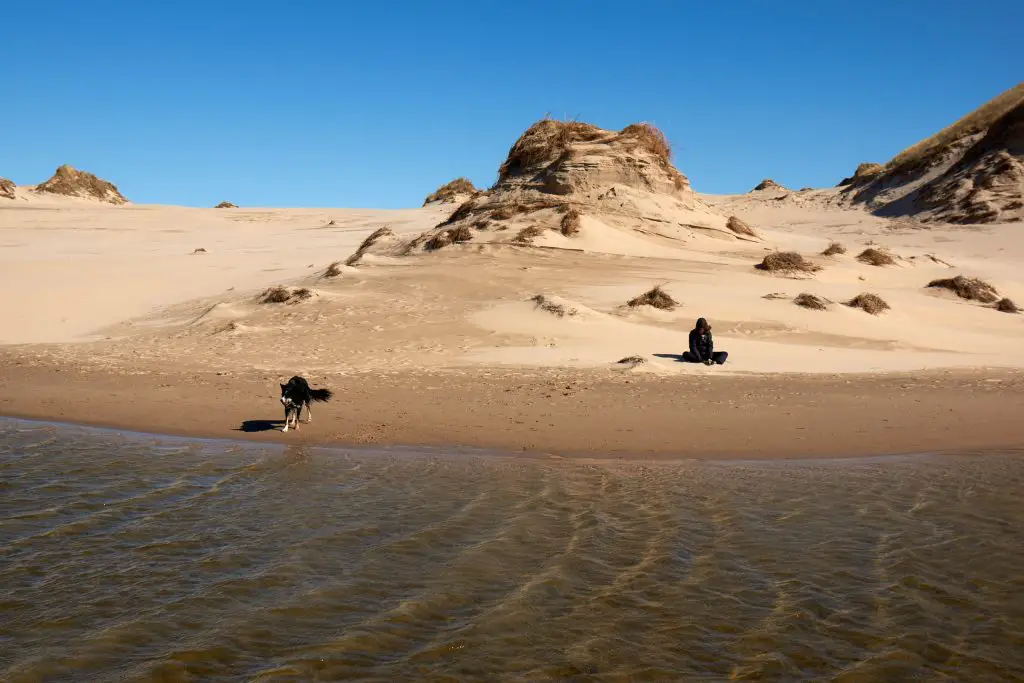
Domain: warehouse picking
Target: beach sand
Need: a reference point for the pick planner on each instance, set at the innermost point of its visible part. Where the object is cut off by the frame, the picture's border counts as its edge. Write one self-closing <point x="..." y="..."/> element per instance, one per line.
<point x="112" y="318"/>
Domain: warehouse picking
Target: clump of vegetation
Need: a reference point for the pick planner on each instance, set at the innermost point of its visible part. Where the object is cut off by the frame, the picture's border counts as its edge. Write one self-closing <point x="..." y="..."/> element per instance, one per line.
<point x="650" y="138"/>
<point x="775" y="296"/>
<point x="656" y="297"/>
<point x="787" y="262"/>
<point x="869" y="303"/>
<point x="225" y="205"/>
<point x="528" y="233"/>
<point x="970" y="288"/>
<point x="449" y="191"/>
<point x="815" y="303"/>
<point x="455" y="235"/>
<point x="571" y="223"/>
<point x="333" y="270"/>
<point x="463" y="210"/>
<point x="199" y="250"/>
<point x="7" y="188"/>
<point x="875" y="257"/>
<point x="374" y="237"/>
<point x="1007" y="306"/>
<point x="632" y="360"/>
<point x="283" y="295"/>
<point x="834" y="249"/>
<point x="740" y="227"/>
<point x="546" y="304"/>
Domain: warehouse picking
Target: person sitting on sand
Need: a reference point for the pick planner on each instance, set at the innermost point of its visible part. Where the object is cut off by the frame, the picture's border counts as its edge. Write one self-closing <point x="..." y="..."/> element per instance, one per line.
<point x="702" y="346"/>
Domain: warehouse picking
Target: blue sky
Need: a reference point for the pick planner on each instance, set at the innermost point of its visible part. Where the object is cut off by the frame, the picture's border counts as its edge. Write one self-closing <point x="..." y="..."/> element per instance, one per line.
<point x="347" y="104"/>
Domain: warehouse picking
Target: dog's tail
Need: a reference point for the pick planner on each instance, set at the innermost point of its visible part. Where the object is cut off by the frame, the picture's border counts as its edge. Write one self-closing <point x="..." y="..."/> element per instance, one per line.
<point x="322" y="395"/>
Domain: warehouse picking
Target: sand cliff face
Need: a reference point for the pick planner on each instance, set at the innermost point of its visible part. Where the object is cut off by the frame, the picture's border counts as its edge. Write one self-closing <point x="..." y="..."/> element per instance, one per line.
<point x="971" y="172"/>
<point x="6" y="189"/>
<point x="71" y="182"/>
<point x="987" y="183"/>
<point x="566" y="180"/>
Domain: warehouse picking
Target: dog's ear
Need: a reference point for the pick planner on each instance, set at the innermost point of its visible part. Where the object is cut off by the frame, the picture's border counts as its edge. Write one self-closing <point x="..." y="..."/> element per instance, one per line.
<point x="283" y="387"/>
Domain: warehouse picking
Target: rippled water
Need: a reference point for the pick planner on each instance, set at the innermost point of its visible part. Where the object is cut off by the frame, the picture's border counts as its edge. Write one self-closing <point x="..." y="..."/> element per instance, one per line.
<point x="150" y="558"/>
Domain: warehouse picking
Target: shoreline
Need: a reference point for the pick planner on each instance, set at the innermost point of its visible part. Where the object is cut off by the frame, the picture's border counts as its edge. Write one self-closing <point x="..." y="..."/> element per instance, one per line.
<point x="560" y="413"/>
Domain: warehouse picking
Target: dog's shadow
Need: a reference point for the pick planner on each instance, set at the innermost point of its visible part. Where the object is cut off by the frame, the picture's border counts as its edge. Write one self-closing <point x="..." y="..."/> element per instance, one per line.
<point x="260" y="425"/>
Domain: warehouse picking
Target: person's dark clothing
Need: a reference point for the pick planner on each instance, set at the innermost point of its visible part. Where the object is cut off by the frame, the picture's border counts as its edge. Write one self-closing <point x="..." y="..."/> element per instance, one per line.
<point x="702" y="345"/>
<point x="718" y="357"/>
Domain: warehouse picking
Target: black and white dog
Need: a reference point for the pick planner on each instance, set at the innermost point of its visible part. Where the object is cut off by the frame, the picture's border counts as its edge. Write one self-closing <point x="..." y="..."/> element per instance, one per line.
<point x="297" y="394"/>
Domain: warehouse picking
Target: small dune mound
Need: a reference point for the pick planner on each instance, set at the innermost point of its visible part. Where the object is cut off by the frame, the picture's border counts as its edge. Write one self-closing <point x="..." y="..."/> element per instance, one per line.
<point x="558" y="171"/>
<point x="834" y="249"/>
<point x="450" y="192"/>
<point x="632" y="360"/>
<point x="455" y="235"/>
<point x="225" y="205"/>
<point x="869" y="303"/>
<point x="875" y="257"/>
<point x="333" y="270"/>
<point x="815" y="303"/>
<point x="787" y="262"/>
<point x="656" y="297"/>
<point x="6" y="189"/>
<point x="371" y="240"/>
<point x="553" y="307"/>
<point x="283" y="295"/>
<point x="71" y="182"/>
<point x="571" y="223"/>
<point x="865" y="170"/>
<point x="740" y="227"/>
<point x="970" y="288"/>
<point x="1007" y="306"/>
<point x="767" y="184"/>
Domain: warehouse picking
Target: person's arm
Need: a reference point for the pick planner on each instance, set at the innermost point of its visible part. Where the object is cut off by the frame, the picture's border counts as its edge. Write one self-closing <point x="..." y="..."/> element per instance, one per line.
<point x="695" y="347"/>
<point x="711" y="346"/>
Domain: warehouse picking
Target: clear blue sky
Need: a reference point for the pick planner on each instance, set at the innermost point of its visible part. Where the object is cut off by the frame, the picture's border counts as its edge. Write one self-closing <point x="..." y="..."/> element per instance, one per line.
<point x="375" y="104"/>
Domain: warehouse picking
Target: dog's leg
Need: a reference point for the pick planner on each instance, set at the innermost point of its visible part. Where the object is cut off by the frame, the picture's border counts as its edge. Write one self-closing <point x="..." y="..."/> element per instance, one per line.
<point x="309" y="413"/>
<point x="287" y="416"/>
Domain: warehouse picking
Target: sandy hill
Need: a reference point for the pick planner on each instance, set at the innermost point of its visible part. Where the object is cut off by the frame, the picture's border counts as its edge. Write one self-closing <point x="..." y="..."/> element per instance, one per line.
<point x="6" y="189"/>
<point x="970" y="172"/>
<point x="573" y="185"/>
<point x="71" y="182"/>
<point x="455" y="192"/>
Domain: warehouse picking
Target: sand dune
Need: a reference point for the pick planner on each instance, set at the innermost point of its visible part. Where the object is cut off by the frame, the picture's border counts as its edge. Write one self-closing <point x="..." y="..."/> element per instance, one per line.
<point x="584" y="217"/>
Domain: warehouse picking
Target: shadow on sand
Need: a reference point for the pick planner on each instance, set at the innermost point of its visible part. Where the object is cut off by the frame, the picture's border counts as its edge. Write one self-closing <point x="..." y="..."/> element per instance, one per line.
<point x="260" y="425"/>
<point x="677" y="357"/>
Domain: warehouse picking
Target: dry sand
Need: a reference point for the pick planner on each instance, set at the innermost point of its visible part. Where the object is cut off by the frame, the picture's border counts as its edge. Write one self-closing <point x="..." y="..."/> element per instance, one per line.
<point x="111" y="318"/>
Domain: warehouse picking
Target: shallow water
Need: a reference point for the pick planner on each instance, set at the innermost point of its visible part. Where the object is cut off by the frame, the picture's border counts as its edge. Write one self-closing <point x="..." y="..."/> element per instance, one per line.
<point x="149" y="558"/>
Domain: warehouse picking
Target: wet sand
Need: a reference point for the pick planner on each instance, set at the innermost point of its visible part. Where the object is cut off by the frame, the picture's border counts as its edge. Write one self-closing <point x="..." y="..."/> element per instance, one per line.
<point x="564" y="412"/>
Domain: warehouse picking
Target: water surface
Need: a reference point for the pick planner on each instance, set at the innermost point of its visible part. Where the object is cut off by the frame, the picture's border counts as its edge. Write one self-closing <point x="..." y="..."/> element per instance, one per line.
<point x="125" y="557"/>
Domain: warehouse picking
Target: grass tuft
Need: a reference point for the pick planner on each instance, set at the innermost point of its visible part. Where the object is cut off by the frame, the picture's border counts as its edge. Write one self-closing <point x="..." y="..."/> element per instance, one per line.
<point x="815" y="303"/>
<point x="656" y="297"/>
<point x="869" y="303"/>
<point x="970" y="288"/>
<point x="787" y="262"/>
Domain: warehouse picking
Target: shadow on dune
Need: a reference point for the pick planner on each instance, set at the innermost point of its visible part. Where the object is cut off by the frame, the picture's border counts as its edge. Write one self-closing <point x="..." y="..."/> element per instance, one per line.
<point x="259" y="425"/>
